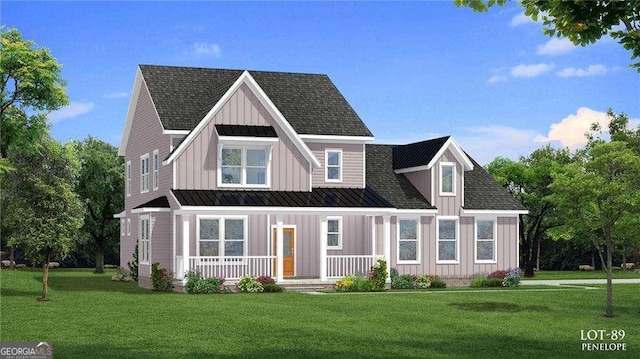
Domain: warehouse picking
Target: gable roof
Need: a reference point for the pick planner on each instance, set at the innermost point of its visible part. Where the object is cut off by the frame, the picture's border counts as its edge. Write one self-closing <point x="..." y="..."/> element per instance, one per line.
<point x="418" y="153"/>
<point x="310" y="102"/>
<point x="396" y="188"/>
<point x="482" y="192"/>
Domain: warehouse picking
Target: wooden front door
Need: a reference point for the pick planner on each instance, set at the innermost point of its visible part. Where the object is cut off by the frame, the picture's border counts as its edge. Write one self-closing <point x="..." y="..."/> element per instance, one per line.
<point x="289" y="258"/>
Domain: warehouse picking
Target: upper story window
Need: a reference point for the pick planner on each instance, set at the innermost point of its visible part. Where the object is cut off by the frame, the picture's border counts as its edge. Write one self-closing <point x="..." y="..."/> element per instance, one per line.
<point x="244" y="166"/>
<point x="128" y="183"/>
<point x="334" y="233"/>
<point x="156" y="169"/>
<point x="485" y="241"/>
<point x="144" y="173"/>
<point x="447" y="179"/>
<point x="333" y="165"/>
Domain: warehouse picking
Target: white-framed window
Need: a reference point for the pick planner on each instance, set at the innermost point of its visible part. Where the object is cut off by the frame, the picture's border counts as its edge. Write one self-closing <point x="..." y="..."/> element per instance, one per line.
<point x="485" y="235"/>
<point x="447" y="179"/>
<point x="448" y="244"/>
<point x="128" y="183"/>
<point x="244" y="166"/>
<point x="222" y="236"/>
<point x="156" y="169"/>
<point x="122" y="229"/>
<point x="128" y="226"/>
<point x="334" y="232"/>
<point x="144" y="241"/>
<point x="333" y="165"/>
<point x="408" y="241"/>
<point x="144" y="173"/>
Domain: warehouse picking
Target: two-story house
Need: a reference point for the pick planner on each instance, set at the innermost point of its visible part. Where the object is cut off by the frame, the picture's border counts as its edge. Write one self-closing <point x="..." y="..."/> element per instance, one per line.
<point x="232" y="172"/>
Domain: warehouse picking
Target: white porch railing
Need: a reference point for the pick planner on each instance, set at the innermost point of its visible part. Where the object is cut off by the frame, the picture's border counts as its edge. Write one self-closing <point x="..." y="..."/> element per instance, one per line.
<point x="340" y="266"/>
<point x="233" y="267"/>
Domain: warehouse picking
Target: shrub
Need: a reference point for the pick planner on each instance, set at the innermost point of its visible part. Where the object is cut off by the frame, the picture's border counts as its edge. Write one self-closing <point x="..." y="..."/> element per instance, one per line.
<point x="478" y="281"/>
<point x="363" y="284"/>
<point x="271" y="288"/>
<point x="196" y="284"/>
<point x="249" y="284"/>
<point x="404" y="281"/>
<point x="512" y="278"/>
<point x="422" y="282"/>
<point x="346" y="284"/>
<point x="393" y="273"/>
<point x="378" y="276"/>
<point x="265" y="279"/>
<point x="492" y="282"/>
<point x="133" y="265"/>
<point x="500" y="274"/>
<point x="438" y="283"/>
<point x="161" y="279"/>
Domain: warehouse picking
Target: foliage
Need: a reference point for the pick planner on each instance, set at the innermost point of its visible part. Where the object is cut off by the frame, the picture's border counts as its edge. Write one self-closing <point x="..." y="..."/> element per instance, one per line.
<point x="161" y="279"/>
<point x="197" y="284"/>
<point x="346" y="284"/>
<point x="101" y="187"/>
<point x="43" y="208"/>
<point x="123" y="272"/>
<point x="512" y="277"/>
<point x="378" y="276"/>
<point x="393" y="273"/>
<point x="249" y="284"/>
<point x="438" y="283"/>
<point x="582" y="22"/>
<point x="483" y="281"/>
<point x="500" y="274"/>
<point x="265" y="279"/>
<point x="404" y="281"/>
<point x="271" y="288"/>
<point x="413" y="281"/>
<point x="133" y="264"/>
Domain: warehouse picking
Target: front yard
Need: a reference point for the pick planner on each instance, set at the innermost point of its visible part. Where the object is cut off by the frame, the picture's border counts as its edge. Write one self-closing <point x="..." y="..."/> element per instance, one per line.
<point x="90" y="316"/>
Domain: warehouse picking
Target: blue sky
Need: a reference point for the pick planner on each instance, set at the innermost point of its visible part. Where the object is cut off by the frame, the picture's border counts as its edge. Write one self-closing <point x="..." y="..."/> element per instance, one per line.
<point x="411" y="70"/>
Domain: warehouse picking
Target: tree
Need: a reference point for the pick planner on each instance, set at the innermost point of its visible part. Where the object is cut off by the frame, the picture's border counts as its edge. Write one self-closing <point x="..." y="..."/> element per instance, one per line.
<point x="599" y="194"/>
<point x="528" y="181"/>
<point x="101" y="188"/>
<point x="44" y="208"/>
<point x="582" y="22"/>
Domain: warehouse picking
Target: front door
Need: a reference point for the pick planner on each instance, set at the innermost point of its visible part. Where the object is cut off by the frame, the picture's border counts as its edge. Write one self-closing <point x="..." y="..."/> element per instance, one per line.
<point x="288" y="259"/>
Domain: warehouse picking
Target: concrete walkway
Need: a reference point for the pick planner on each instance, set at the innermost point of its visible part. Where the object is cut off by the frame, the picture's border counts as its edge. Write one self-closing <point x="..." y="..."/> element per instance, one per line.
<point x="579" y="281"/>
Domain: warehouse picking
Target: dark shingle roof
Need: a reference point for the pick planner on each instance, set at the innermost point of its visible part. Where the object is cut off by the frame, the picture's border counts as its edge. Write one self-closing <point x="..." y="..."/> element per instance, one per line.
<point x="417" y="154"/>
<point x="319" y="197"/>
<point x="394" y="187"/>
<point x="160" y="202"/>
<point x="481" y="191"/>
<point x="310" y="102"/>
<point x="249" y="131"/>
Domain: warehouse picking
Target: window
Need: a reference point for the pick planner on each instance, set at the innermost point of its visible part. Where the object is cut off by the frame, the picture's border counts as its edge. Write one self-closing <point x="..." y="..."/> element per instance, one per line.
<point x="485" y="241"/>
<point x="128" y="184"/>
<point x="334" y="233"/>
<point x="128" y="226"/>
<point x="447" y="233"/>
<point x="156" y="169"/>
<point x="244" y="167"/>
<point x="221" y="237"/>
<point x="447" y="179"/>
<point x="122" y="229"/>
<point x="408" y="246"/>
<point x="333" y="164"/>
<point x="144" y="173"/>
<point x="143" y="244"/>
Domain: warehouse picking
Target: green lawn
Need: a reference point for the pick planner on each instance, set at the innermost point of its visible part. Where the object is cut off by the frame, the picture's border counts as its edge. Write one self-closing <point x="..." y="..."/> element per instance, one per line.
<point x="583" y="274"/>
<point x="90" y="316"/>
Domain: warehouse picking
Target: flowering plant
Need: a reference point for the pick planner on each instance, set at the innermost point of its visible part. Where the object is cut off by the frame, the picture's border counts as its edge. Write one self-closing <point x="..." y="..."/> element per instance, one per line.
<point x="249" y="284"/>
<point x="512" y="278"/>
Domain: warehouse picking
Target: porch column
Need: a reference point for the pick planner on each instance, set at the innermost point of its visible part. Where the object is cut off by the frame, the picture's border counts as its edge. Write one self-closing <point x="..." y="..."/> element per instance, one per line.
<point x="279" y="248"/>
<point x="323" y="248"/>
<point x="373" y="235"/>
<point x="386" y="240"/>
<point x="185" y="244"/>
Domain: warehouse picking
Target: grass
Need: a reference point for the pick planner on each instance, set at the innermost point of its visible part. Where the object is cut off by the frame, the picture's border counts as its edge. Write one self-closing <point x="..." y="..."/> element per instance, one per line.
<point x="552" y="275"/>
<point x="90" y="316"/>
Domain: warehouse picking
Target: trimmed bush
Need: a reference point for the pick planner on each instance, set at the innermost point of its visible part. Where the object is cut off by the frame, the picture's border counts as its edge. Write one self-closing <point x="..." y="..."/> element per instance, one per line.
<point x="438" y="283"/>
<point x="265" y="279"/>
<point x="161" y="279"/>
<point x="404" y="281"/>
<point x="248" y="284"/>
<point x="196" y="284"/>
<point x="500" y="274"/>
<point x="271" y="288"/>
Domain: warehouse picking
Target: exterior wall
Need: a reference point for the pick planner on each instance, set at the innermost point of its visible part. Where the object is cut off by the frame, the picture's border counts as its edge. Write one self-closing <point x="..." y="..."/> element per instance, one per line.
<point x="161" y="240"/>
<point x="422" y="181"/>
<point x="352" y="165"/>
<point x="197" y="166"/>
<point x="447" y="205"/>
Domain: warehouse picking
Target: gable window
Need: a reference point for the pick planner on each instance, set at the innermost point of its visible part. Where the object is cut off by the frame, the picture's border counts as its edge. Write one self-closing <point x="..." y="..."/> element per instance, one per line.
<point x="408" y="244"/>
<point x="220" y="236"/>
<point x="156" y="169"/>
<point x="447" y="179"/>
<point x="128" y="183"/>
<point x="242" y="166"/>
<point x="485" y="241"/>
<point x="334" y="232"/>
<point x="144" y="173"/>
<point x="143" y="244"/>
<point x="333" y="165"/>
<point x="447" y="234"/>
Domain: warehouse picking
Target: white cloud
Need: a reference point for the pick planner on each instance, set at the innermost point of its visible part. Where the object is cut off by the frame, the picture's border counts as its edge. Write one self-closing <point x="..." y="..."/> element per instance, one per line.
<point x="592" y="70"/>
<point x="570" y="131"/>
<point x="206" y="49"/>
<point x="530" y="70"/>
<point x="555" y="46"/>
<point x="116" y="95"/>
<point x="497" y="78"/>
<point x="75" y="109"/>
<point x="521" y="19"/>
<point x="485" y="143"/>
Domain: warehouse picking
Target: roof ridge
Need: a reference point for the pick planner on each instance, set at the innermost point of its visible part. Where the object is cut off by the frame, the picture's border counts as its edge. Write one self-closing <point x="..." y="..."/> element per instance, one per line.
<point x="236" y="69"/>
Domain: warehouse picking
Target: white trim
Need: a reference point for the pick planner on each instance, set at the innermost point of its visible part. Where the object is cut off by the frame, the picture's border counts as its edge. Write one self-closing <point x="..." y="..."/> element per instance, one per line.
<point x="175" y="132"/>
<point x="453" y="179"/>
<point x="129" y="179"/>
<point x="412" y="169"/>
<point x="433" y="187"/>
<point x="494" y="239"/>
<point x="142" y="158"/>
<point x="155" y="174"/>
<point x="457" y="239"/>
<point x="462" y="188"/>
<point x="128" y="226"/>
<point x="147" y="248"/>
<point x="133" y="103"/>
<point x="173" y="245"/>
<point x="247" y="141"/>
<point x="340" y="233"/>
<point x="457" y="152"/>
<point x="310" y="176"/>
<point x="279" y="248"/>
<point x="323" y="248"/>
<point x="386" y="242"/>
<point x="150" y="209"/>
<point x="517" y="241"/>
<point x="336" y="139"/>
<point x="243" y="166"/>
<point x="122" y="214"/>
<point x="326" y="165"/>
<point x="364" y="165"/>
<point x="493" y="212"/>
<point x="417" y="240"/>
<point x="221" y="230"/>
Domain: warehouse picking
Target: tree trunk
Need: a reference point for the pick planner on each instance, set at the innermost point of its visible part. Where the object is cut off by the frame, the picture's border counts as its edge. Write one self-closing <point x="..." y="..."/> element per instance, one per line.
<point x="624" y="260"/>
<point x="538" y="257"/>
<point x="45" y="279"/>
<point x="100" y="244"/>
<point x="609" y="312"/>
